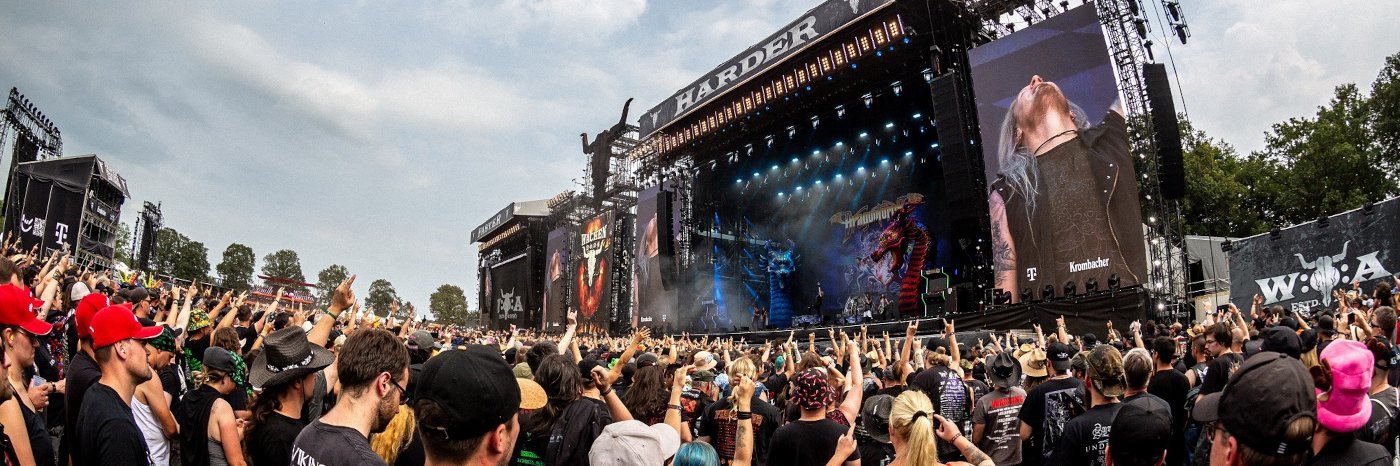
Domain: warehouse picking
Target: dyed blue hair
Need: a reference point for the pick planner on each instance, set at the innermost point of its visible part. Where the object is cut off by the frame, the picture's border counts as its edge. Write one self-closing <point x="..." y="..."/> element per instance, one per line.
<point x="696" y="454"/>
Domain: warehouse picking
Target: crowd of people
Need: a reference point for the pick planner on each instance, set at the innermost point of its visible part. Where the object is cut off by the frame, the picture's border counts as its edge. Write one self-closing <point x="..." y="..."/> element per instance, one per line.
<point x="105" y="372"/>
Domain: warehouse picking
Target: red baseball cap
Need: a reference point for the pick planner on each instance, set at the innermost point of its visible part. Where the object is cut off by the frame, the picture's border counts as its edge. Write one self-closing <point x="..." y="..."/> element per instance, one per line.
<point x="116" y="323"/>
<point x="17" y="309"/>
<point x="87" y="308"/>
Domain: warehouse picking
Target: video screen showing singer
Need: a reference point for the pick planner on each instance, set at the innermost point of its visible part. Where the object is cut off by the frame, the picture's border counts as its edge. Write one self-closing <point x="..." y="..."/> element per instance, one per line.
<point x="1064" y="205"/>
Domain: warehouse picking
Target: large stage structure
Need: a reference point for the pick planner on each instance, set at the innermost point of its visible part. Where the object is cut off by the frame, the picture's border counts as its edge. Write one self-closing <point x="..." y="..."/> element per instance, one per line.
<point x="70" y="204"/>
<point x="838" y="172"/>
<point x="510" y="246"/>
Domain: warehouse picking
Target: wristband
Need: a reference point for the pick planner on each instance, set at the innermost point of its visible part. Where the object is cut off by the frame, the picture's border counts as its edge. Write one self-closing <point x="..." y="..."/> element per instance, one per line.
<point x="744" y="415"/>
<point x="675" y="407"/>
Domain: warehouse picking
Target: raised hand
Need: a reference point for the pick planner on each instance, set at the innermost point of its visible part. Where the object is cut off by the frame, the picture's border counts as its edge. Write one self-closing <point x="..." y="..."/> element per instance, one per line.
<point x="846" y="444"/>
<point x="572" y="316"/>
<point x="342" y="298"/>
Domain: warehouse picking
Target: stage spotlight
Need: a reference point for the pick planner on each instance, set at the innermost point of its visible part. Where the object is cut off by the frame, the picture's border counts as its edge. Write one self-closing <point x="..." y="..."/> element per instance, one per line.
<point x="868" y="99"/>
<point x="928" y="74"/>
<point x="1048" y="293"/>
<point x="1275" y="233"/>
<point x="1091" y="285"/>
<point x="840" y="111"/>
<point x="1001" y="297"/>
<point x="934" y="145"/>
<point x="775" y="167"/>
<point x="748" y="149"/>
<point x="864" y="134"/>
<point x="816" y="152"/>
<point x="1070" y="288"/>
<point x="889" y="125"/>
<point x="1114" y="282"/>
<point x="755" y="174"/>
<point x="884" y="161"/>
<point x="860" y="169"/>
<point x="839" y="143"/>
<point x="1026" y="295"/>
<point x="738" y="181"/>
<point x="792" y="132"/>
<point x="909" y="153"/>
<point x="918" y="116"/>
<point x="780" y="194"/>
<point x="816" y="121"/>
<point x="794" y="160"/>
<point x="897" y="87"/>
<point x="1368" y="208"/>
<point x="819" y="182"/>
<point x="838" y="176"/>
<point x="799" y="189"/>
<point x="769" y="139"/>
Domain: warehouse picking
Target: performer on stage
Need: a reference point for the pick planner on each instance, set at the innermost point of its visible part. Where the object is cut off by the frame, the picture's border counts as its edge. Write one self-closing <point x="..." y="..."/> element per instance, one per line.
<point x="1064" y="206"/>
<point x="820" y="296"/>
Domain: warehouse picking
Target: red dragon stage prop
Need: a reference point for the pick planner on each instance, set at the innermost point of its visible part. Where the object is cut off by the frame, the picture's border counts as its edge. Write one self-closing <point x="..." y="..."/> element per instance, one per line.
<point x="907" y="243"/>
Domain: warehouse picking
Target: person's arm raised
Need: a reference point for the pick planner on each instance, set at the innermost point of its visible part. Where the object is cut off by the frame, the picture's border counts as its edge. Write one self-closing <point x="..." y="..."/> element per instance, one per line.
<point x="673" y="405"/>
<point x="569" y="331"/>
<point x="844" y="447"/>
<point x="343" y="298"/>
<point x="856" y="381"/>
<point x="743" y="442"/>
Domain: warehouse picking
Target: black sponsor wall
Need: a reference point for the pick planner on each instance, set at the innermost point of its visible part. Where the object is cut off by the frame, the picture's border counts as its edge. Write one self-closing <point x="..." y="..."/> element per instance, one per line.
<point x="44" y="212"/>
<point x="1302" y="266"/>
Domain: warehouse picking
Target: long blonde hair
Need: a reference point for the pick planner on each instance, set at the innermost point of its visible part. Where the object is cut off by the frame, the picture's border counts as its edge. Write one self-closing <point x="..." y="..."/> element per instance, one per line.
<point x="395" y="437"/>
<point x="742" y="366"/>
<point x="917" y="432"/>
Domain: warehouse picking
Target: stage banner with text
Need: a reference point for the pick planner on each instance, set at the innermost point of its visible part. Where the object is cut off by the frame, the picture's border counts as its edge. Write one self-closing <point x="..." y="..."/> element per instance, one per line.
<point x="1308" y="264"/>
<point x="592" y="272"/>
<point x="512" y="296"/>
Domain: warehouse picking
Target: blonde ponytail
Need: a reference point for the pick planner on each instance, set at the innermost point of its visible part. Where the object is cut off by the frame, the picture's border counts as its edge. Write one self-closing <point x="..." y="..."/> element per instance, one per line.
<point x="911" y="419"/>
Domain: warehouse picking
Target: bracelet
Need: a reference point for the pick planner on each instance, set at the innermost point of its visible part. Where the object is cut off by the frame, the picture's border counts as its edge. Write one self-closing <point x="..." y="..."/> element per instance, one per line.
<point x="675" y="407"/>
<point x="744" y="415"/>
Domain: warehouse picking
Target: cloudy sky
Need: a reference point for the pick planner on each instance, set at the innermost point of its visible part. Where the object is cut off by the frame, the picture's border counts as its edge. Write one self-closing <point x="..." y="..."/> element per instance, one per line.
<point x="378" y="134"/>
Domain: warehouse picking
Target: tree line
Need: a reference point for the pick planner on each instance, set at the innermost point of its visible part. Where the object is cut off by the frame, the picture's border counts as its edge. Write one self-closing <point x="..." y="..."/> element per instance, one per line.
<point x="179" y="256"/>
<point x="1343" y="156"/>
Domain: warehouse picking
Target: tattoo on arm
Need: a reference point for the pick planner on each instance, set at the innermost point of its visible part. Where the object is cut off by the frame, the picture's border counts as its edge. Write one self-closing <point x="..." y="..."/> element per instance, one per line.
<point x="976" y="456"/>
<point x="745" y="438"/>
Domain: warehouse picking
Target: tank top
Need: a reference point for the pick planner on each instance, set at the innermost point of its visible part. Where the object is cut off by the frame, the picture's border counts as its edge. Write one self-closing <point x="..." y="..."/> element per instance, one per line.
<point x="39" y="441"/>
<point x="156" y="443"/>
<point x="216" y="453"/>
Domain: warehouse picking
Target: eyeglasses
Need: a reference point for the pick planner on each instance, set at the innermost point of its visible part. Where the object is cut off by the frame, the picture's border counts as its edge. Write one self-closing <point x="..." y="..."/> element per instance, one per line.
<point x="403" y="392"/>
<point x="1210" y="342"/>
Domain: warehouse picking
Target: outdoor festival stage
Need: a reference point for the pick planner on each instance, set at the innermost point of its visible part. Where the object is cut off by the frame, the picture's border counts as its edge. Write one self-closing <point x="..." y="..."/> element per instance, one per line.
<point x="838" y="171"/>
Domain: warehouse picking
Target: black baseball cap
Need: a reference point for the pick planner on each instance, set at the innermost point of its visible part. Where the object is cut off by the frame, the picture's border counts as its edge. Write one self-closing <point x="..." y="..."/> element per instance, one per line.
<point x="1326" y="325"/>
<point x="1267" y="393"/>
<point x="1281" y="340"/>
<point x="1059" y="355"/>
<point x="1140" y="430"/>
<point x="936" y="342"/>
<point x="474" y="387"/>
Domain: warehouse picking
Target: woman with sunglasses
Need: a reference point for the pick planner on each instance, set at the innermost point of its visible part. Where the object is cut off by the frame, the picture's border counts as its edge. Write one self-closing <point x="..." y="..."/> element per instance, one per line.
<point x="211" y="434"/>
<point x="20" y="336"/>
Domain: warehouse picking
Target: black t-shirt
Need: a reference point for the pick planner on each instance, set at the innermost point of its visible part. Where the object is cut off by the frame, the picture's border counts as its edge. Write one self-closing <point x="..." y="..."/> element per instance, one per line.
<point x="802" y="443"/>
<point x="105" y="432"/>
<point x="1171" y="386"/>
<point x="873" y="453"/>
<point x="247" y="337"/>
<point x="891" y="390"/>
<point x="1346" y="450"/>
<point x="271" y="443"/>
<point x="1048" y="407"/>
<point x="1086" y="437"/>
<point x="1221" y="368"/>
<point x="720" y="423"/>
<point x="81" y="373"/>
<point x="950" y="398"/>
<point x="324" y="444"/>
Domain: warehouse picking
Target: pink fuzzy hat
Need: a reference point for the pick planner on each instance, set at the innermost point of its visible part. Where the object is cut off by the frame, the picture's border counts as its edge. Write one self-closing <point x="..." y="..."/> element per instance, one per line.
<point x="1346" y="405"/>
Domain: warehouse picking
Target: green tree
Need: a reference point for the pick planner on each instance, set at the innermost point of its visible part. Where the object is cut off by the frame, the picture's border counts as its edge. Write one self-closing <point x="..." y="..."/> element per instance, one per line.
<point x="381" y="297"/>
<point x="168" y="244"/>
<point x="326" y="281"/>
<point x="1218" y="202"/>
<point x="449" y="305"/>
<point x="122" y="246"/>
<point x="284" y="264"/>
<point x="236" y="268"/>
<point x="191" y="261"/>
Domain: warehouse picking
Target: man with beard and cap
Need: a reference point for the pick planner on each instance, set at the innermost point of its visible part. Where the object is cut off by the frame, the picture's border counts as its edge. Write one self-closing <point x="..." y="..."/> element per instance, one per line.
<point x="1049" y="406"/>
<point x="106" y="432"/>
<point x="372" y="369"/>
<point x="1086" y="436"/>
<point x="995" y="421"/>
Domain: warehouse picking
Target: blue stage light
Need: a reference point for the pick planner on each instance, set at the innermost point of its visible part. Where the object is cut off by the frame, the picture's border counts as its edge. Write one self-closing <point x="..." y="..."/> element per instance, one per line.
<point x="909" y="154"/>
<point x="819" y="182"/>
<point x="918" y="116"/>
<point x="755" y="174"/>
<point x="780" y="194"/>
<point x="889" y="125"/>
<point x="775" y="167"/>
<point x="838" y="176"/>
<point x="799" y="188"/>
<point x="934" y="145"/>
<point x="794" y="160"/>
<point x="839" y="143"/>
<point x="816" y="152"/>
<point x="860" y="169"/>
<point x="737" y="181"/>
<point x="864" y="134"/>
<point x="884" y="161"/>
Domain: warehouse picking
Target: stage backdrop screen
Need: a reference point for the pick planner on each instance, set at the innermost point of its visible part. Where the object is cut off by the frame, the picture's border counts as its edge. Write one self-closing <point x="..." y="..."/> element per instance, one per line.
<point x="1061" y="185"/>
<point x="556" y="263"/>
<point x="1308" y="262"/>
<point x="653" y="304"/>
<point x="592" y="272"/>
<point x="512" y="297"/>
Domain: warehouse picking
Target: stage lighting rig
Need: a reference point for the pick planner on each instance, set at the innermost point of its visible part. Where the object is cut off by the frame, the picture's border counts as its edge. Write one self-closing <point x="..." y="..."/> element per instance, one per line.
<point x="1048" y="293"/>
<point x="1114" y="282"/>
<point x="1091" y="285"/>
<point x="897" y="87"/>
<point x="868" y="99"/>
<point x="1070" y="288"/>
<point x="1026" y="295"/>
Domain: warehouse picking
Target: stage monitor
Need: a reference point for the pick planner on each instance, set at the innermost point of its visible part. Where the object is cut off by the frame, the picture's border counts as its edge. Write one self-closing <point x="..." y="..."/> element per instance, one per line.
<point x="654" y="304"/>
<point x="593" y="273"/>
<point x="556" y="263"/>
<point x="1062" y="190"/>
